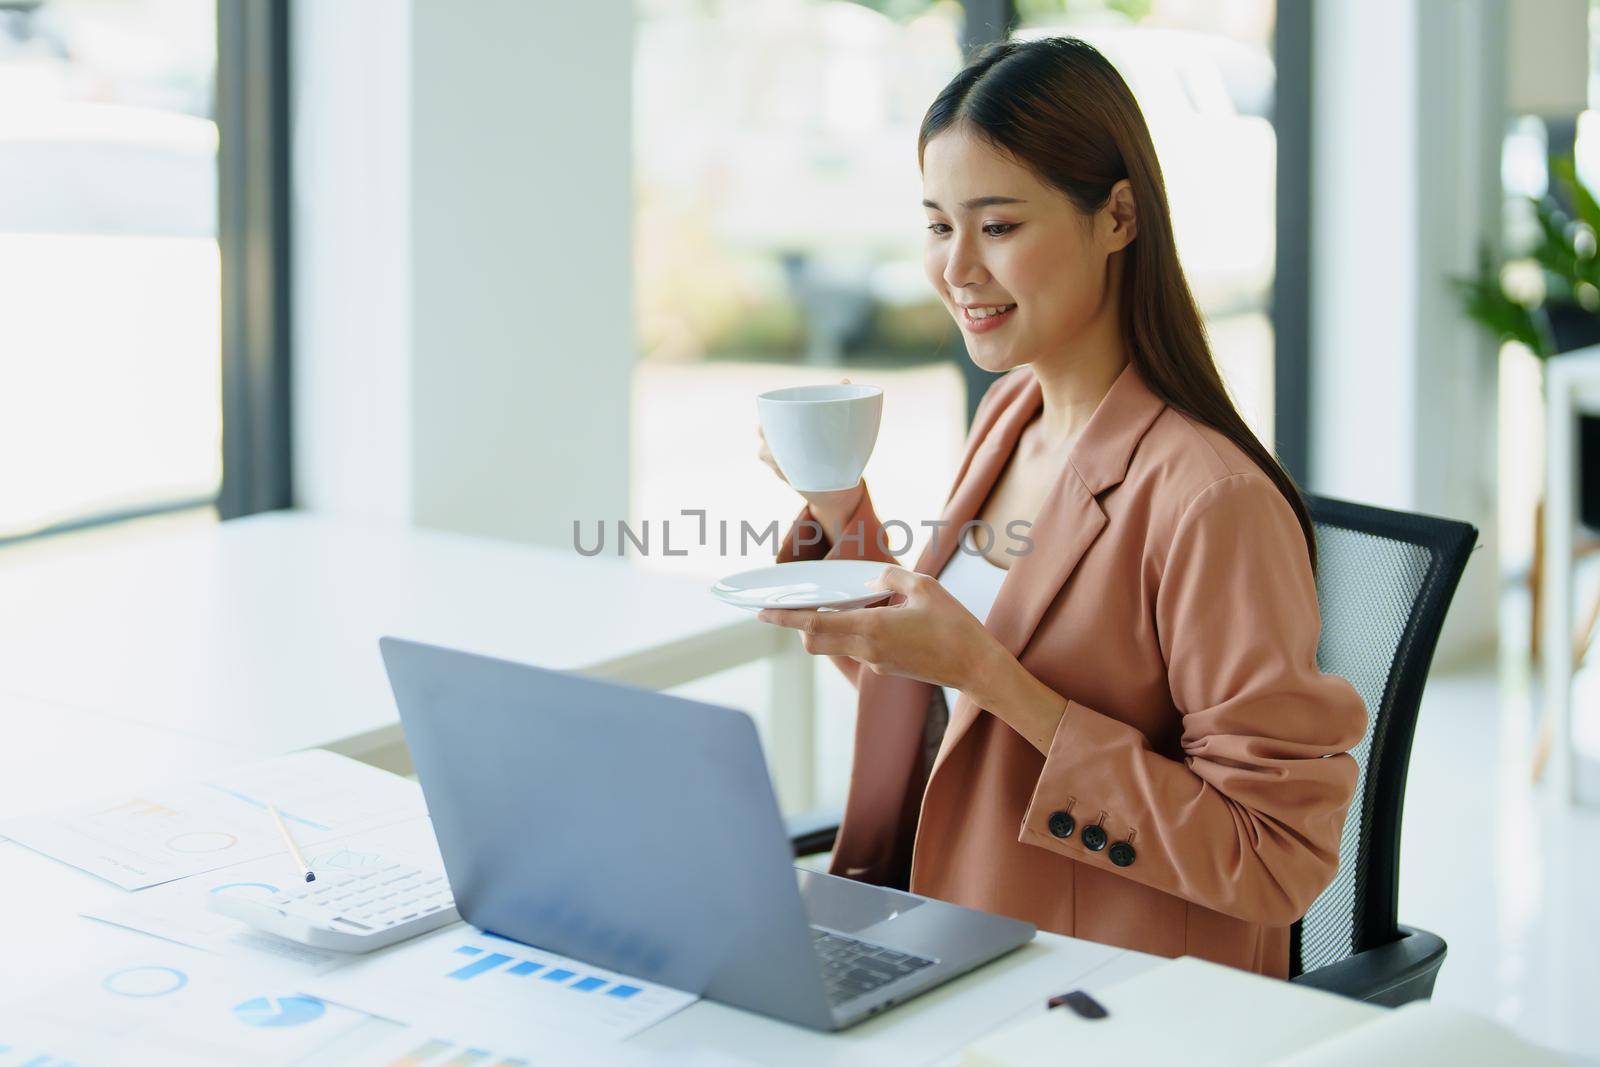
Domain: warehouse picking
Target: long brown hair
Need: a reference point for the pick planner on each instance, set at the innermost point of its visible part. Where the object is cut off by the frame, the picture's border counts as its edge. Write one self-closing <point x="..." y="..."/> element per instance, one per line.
<point x="1060" y="108"/>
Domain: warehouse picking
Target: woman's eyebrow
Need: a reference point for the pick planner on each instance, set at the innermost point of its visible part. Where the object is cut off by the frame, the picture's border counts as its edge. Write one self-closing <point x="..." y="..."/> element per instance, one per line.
<point x="979" y="201"/>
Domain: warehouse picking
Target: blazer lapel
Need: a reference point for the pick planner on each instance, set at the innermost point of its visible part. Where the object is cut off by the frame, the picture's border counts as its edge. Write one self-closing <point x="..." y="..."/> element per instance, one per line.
<point x="980" y="469"/>
<point x="1068" y="523"/>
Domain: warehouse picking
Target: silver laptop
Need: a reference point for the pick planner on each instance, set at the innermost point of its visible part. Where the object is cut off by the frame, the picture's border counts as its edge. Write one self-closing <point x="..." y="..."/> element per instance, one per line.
<point x="638" y="831"/>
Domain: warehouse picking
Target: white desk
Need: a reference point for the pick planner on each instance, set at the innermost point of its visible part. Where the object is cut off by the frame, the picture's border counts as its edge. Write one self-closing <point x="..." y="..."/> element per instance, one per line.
<point x="161" y="658"/>
<point x="41" y="925"/>
<point x="57" y="767"/>
<point x="261" y="634"/>
<point x="932" y="1029"/>
<point x="1572" y="387"/>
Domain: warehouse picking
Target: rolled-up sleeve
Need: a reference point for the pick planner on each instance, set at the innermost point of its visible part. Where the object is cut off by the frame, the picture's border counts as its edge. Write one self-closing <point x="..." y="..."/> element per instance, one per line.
<point x="1248" y="821"/>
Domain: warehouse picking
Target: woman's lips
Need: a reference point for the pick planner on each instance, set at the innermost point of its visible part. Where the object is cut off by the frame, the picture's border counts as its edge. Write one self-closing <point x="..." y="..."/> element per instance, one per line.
<point x="988" y="322"/>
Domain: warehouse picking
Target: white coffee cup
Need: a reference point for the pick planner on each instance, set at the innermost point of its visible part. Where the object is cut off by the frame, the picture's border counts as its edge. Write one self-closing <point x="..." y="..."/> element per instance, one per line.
<point x="821" y="435"/>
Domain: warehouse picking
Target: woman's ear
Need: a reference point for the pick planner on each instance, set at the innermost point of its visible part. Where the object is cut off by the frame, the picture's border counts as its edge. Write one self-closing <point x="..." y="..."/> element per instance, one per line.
<point x="1122" y="216"/>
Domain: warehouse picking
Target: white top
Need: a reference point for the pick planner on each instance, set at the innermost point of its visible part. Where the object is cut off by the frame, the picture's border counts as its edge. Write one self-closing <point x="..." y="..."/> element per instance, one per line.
<point x="973" y="580"/>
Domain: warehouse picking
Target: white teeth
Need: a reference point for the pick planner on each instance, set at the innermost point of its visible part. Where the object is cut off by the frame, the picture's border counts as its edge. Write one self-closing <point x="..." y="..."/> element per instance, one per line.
<point x="983" y="313"/>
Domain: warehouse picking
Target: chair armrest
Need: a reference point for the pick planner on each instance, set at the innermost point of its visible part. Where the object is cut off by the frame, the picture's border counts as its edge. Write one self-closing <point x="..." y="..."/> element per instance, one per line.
<point x="811" y="832"/>
<point x="1391" y="975"/>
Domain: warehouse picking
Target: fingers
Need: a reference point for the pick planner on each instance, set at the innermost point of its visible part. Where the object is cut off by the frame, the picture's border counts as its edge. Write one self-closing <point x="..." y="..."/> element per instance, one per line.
<point x="898" y="580"/>
<point x="764" y="454"/>
<point x="809" y="620"/>
<point x="835" y="645"/>
<point x="831" y="633"/>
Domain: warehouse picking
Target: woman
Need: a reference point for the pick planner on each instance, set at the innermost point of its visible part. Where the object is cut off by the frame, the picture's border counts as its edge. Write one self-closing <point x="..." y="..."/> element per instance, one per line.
<point x="1140" y="749"/>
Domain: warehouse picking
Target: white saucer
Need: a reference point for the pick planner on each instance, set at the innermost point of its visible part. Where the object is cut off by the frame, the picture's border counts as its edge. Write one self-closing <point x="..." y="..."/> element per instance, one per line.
<point x="820" y="583"/>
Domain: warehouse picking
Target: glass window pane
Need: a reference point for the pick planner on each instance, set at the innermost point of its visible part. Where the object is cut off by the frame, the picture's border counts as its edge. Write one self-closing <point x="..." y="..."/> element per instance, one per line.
<point x="779" y="235"/>
<point x="109" y="271"/>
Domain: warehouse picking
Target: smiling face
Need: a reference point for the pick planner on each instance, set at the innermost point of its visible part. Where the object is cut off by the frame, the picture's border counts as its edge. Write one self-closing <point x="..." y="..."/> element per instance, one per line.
<point x="1020" y="268"/>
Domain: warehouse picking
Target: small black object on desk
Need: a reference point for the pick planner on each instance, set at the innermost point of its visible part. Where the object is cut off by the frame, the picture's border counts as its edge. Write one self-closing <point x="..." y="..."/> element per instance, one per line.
<point x="1080" y="1002"/>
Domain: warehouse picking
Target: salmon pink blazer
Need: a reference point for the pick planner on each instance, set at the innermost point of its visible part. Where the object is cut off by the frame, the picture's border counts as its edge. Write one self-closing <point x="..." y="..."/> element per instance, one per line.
<point x="1193" y="795"/>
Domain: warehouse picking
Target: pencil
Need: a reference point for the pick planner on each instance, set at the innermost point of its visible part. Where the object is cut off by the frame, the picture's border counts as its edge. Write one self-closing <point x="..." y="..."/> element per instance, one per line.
<point x="294" y="849"/>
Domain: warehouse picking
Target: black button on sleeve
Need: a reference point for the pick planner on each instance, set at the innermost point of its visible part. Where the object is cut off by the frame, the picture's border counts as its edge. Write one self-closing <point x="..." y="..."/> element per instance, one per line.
<point x="1061" y="824"/>
<point x="1094" y="838"/>
<point x="1121" y="854"/>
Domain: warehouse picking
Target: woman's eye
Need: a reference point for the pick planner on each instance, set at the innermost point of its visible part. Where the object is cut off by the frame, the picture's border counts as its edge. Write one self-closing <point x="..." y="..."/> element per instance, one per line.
<point x="993" y="229"/>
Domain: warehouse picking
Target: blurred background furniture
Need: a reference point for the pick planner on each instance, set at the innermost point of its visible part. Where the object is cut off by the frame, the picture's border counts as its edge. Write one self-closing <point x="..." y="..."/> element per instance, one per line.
<point x="1572" y="388"/>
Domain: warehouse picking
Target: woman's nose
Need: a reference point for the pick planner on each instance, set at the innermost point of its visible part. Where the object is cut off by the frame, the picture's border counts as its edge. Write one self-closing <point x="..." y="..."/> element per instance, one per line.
<point x="963" y="267"/>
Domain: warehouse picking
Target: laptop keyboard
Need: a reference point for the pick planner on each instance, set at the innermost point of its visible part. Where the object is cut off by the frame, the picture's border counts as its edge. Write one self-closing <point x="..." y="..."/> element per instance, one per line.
<point x="851" y="968"/>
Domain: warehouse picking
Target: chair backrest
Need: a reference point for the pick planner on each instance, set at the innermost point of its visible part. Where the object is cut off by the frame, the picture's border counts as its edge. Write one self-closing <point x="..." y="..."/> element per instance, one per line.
<point x="1384" y="582"/>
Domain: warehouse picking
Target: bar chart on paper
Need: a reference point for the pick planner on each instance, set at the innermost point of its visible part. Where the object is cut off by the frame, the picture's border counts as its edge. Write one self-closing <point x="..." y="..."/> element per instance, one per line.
<point x="461" y="983"/>
<point x="412" y="1046"/>
<point x="574" y="981"/>
<point x="439" y="1052"/>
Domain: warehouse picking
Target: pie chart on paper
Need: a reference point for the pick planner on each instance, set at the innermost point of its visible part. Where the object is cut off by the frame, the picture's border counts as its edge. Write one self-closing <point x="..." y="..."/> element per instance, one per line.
<point x="279" y="1011"/>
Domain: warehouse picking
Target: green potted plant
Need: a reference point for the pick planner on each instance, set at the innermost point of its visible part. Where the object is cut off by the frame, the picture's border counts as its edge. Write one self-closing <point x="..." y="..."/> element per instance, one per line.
<point x="1562" y="313"/>
<point x="1547" y="298"/>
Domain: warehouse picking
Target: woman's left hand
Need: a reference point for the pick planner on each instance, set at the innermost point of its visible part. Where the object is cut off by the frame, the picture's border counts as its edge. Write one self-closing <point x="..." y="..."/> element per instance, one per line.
<point x="923" y="632"/>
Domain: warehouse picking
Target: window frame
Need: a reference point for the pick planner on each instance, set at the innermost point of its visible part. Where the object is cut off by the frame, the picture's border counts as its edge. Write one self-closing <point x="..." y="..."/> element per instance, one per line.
<point x="253" y="175"/>
<point x="253" y="237"/>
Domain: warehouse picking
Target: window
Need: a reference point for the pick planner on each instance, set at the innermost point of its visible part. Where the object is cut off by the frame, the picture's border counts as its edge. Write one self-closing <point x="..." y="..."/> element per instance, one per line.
<point x="109" y="264"/>
<point x="779" y="241"/>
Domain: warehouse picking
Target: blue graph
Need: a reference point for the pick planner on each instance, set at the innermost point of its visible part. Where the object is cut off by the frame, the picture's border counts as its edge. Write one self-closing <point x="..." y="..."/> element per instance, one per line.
<point x="279" y="1011"/>
<point x="485" y="962"/>
<point x="145" y="981"/>
<point x="262" y="804"/>
<point x="40" y="1060"/>
<point x="245" y="885"/>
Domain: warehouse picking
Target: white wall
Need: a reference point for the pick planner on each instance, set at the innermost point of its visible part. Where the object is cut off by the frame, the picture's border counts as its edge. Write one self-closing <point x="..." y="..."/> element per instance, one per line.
<point x="1408" y="121"/>
<point x="522" y="324"/>
<point x="351" y="129"/>
<point x="1364" y="258"/>
<point x="463" y="262"/>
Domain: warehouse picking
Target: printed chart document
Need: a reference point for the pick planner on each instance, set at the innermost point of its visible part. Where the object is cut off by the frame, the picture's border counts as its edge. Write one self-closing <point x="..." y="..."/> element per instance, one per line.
<point x="174" y="831"/>
<point x="411" y="1046"/>
<point x="177" y="910"/>
<point x="174" y="1006"/>
<point x="463" y="985"/>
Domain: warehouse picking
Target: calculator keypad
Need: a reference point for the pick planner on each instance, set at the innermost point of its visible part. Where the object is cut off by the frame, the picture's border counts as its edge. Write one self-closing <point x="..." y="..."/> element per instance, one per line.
<point x="371" y="900"/>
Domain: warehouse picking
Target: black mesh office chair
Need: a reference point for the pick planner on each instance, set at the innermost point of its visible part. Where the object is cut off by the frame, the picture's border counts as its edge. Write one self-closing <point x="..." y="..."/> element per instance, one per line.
<point x="1384" y="583"/>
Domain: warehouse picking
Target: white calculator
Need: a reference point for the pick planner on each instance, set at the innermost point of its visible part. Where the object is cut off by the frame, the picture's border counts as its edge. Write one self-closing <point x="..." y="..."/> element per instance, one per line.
<point x="350" y="911"/>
